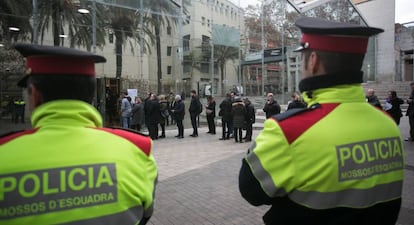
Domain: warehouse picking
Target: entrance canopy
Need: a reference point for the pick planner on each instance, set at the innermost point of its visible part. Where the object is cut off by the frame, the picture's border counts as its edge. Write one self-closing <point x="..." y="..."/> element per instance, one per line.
<point x="270" y="56"/>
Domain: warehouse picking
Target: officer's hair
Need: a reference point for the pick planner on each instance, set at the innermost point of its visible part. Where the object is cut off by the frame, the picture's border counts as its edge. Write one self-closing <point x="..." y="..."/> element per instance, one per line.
<point x="55" y="87"/>
<point x="334" y="62"/>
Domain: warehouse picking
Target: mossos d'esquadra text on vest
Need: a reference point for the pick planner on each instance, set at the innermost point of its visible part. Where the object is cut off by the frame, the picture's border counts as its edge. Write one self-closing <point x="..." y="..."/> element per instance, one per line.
<point x="44" y="191"/>
<point x="365" y="159"/>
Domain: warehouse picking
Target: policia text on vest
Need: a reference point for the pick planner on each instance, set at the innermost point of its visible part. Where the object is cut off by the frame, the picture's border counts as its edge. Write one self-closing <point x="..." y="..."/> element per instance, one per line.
<point x="365" y="159"/>
<point x="44" y="191"/>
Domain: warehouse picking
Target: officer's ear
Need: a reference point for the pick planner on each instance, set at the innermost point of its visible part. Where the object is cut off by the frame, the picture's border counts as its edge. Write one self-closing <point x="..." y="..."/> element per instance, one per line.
<point x="35" y="96"/>
<point x="315" y="64"/>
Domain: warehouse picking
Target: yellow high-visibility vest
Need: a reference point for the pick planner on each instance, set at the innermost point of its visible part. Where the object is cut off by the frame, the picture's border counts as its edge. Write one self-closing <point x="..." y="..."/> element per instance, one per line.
<point x="320" y="161"/>
<point x="68" y="169"/>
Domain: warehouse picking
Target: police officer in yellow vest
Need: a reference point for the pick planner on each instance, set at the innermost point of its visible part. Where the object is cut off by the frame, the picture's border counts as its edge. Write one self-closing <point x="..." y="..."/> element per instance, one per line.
<point x="68" y="169"/>
<point x="19" y="106"/>
<point x="341" y="160"/>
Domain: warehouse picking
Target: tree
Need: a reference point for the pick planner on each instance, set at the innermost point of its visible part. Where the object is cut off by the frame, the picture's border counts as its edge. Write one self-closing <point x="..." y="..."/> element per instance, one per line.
<point x="15" y="14"/>
<point x="62" y="16"/>
<point x="126" y="25"/>
<point x="339" y="10"/>
<point x="160" y="10"/>
<point x="277" y="21"/>
<point x="278" y="31"/>
<point x="222" y="54"/>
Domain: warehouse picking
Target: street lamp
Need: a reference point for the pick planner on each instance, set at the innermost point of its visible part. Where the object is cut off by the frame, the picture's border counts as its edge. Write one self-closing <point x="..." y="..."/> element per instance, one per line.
<point x="263" y="45"/>
<point x="15" y="29"/>
<point x="83" y="11"/>
<point x="86" y="11"/>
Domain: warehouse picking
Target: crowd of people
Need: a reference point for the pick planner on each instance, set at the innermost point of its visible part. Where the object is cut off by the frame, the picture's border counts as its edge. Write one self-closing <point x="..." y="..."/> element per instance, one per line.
<point x="156" y="112"/>
<point x="392" y="106"/>
<point x="237" y="114"/>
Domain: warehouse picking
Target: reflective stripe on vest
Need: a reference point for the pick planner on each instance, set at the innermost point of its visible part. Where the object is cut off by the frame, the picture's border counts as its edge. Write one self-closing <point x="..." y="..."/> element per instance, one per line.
<point x="323" y="200"/>
<point x="355" y="198"/>
<point x="263" y="176"/>
<point x="129" y="217"/>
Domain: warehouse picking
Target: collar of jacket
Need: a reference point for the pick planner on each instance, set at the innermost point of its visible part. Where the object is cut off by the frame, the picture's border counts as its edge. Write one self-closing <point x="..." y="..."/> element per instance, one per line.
<point x="66" y="113"/>
<point x="347" y="93"/>
<point x="329" y="80"/>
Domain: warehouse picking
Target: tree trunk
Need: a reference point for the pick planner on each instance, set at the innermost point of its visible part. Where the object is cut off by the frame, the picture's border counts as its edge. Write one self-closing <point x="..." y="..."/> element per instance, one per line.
<point x="159" y="63"/>
<point x="222" y="77"/>
<point x="55" y="26"/>
<point x="118" y="53"/>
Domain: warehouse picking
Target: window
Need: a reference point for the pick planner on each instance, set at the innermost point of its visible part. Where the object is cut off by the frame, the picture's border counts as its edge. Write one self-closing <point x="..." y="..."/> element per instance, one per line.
<point x="205" y="43"/>
<point x="111" y="37"/>
<point x="169" y="50"/>
<point x="186" y="43"/>
<point x="169" y="30"/>
<point x="208" y="23"/>
<point x="187" y="67"/>
<point x="205" y="67"/>
<point x="203" y="20"/>
<point x="169" y="70"/>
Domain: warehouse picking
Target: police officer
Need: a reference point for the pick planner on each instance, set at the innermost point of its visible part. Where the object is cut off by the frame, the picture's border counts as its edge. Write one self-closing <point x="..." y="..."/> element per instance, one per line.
<point x="340" y="161"/>
<point x="19" y="106"/>
<point x="68" y="169"/>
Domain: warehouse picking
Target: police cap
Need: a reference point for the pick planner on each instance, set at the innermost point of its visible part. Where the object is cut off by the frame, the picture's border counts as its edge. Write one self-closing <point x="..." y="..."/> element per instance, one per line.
<point x="329" y="36"/>
<point x="51" y="60"/>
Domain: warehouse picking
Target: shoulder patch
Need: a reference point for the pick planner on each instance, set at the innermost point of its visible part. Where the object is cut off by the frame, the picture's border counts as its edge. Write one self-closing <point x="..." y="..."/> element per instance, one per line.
<point x="142" y="141"/>
<point x="4" y="138"/>
<point x="296" y="124"/>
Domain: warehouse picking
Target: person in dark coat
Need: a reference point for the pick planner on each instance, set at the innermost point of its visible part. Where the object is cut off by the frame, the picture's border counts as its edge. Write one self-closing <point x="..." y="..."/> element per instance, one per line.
<point x="194" y="110"/>
<point x="250" y="119"/>
<point x="146" y="109"/>
<point x="179" y="112"/>
<point x="164" y="114"/>
<point x="226" y="117"/>
<point x="393" y="106"/>
<point x="170" y="100"/>
<point x="410" y="113"/>
<point x="154" y="115"/>
<point x="271" y="107"/>
<point x="239" y="118"/>
<point x="211" y="114"/>
<point x="372" y="98"/>
<point x="296" y="102"/>
<point x="138" y="116"/>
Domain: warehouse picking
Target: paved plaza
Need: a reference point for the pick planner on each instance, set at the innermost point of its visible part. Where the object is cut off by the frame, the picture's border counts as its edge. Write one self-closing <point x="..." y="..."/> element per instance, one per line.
<point x="198" y="179"/>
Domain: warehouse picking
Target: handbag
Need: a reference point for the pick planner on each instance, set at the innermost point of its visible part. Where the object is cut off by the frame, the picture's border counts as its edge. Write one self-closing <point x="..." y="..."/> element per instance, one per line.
<point x="209" y="111"/>
<point x="165" y="114"/>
